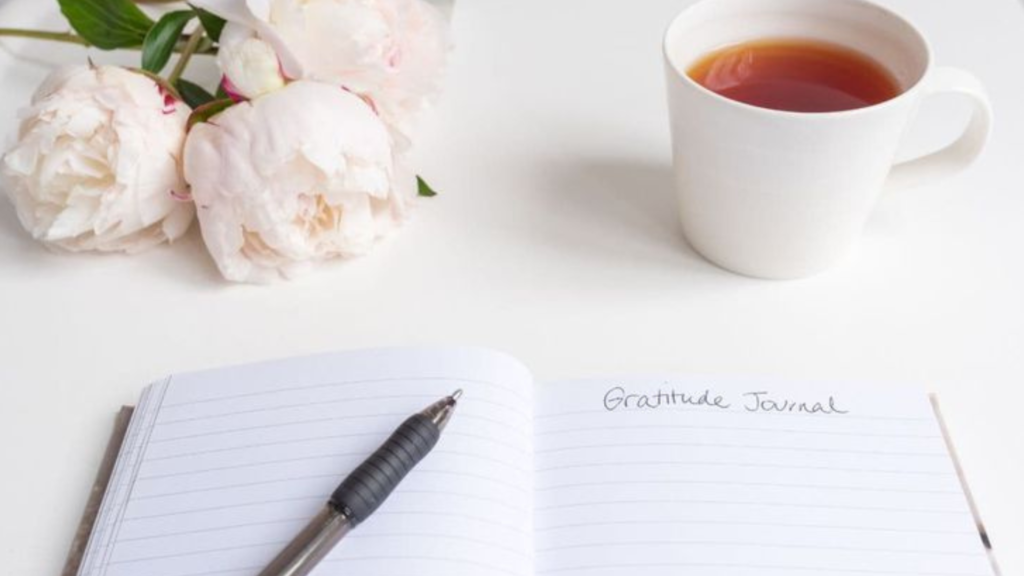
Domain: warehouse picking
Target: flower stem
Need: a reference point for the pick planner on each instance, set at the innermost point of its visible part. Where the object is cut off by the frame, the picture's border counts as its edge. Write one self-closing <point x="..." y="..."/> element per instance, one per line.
<point x="45" y="35"/>
<point x="186" y="54"/>
<point x="71" y="38"/>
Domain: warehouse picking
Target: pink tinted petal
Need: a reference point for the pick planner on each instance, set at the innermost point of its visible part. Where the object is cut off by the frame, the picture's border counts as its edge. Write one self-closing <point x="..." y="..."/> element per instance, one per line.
<point x="180" y="196"/>
<point x="170" y="102"/>
<point x="231" y="90"/>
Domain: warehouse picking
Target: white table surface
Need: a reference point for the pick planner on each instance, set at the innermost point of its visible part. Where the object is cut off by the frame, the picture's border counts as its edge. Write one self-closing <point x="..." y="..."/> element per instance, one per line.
<point x="555" y="239"/>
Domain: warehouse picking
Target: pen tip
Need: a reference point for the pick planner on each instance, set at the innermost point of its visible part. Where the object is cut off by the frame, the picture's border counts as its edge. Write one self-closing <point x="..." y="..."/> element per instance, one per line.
<point x="456" y="395"/>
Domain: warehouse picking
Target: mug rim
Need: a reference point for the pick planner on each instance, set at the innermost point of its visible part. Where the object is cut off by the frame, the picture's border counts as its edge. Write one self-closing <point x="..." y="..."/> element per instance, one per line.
<point x="903" y="95"/>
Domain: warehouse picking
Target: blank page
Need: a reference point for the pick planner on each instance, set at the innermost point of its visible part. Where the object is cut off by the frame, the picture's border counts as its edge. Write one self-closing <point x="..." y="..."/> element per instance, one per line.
<point x="710" y="477"/>
<point x="222" y="468"/>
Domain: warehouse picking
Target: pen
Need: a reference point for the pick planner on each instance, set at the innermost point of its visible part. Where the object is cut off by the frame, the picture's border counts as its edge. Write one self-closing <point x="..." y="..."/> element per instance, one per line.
<point x="365" y="489"/>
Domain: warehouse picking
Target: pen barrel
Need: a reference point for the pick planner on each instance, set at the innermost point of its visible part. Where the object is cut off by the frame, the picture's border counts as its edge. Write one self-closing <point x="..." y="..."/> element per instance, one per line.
<point x="311" y="545"/>
<point x="366" y="488"/>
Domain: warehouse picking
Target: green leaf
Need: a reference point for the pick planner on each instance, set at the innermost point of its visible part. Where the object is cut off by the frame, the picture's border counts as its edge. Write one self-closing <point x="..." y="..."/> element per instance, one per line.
<point x="212" y="23"/>
<point x="159" y="43"/>
<point x="424" y="189"/>
<point x="221" y="92"/>
<point x="207" y="111"/>
<point x="107" y="24"/>
<point x="193" y="94"/>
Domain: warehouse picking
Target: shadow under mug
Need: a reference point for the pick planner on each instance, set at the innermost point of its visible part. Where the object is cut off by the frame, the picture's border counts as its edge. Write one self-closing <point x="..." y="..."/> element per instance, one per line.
<point x="777" y="194"/>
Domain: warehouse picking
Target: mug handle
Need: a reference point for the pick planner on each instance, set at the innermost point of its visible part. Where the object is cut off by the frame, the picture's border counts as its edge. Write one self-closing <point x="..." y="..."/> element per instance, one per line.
<point x="962" y="151"/>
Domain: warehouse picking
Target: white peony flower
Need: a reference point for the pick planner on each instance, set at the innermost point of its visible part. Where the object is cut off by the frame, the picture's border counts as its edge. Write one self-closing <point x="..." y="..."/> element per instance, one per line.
<point x="391" y="52"/>
<point x="297" y="176"/>
<point x="96" y="163"/>
<point x="249" y="64"/>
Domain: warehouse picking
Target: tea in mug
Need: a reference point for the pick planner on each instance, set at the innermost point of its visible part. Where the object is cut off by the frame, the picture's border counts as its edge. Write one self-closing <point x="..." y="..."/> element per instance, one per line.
<point x="795" y="75"/>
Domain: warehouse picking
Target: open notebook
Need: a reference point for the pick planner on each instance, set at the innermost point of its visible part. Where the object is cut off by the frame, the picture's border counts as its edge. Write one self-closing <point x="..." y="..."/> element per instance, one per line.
<point x="635" y="476"/>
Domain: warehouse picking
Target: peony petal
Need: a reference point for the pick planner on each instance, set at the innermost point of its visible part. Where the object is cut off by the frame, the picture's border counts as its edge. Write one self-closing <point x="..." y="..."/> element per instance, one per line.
<point x="291" y="178"/>
<point x="75" y="219"/>
<point x="391" y="52"/>
<point x="250" y="65"/>
<point x="93" y="152"/>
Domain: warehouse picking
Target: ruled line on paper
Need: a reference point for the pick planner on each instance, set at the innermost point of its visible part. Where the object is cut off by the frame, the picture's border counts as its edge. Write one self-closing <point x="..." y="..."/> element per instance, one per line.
<point x="292" y="479"/>
<point x="489" y="501"/>
<point x="197" y="471"/>
<point x="429" y="515"/>
<point x="319" y="403"/>
<point x="419" y="559"/>
<point x="856" y="434"/>
<point x="320" y="498"/>
<point x="306" y="498"/>
<point x="287" y="424"/>
<point x="435" y="535"/>
<point x="649" y="523"/>
<point x="340" y="418"/>
<point x="448" y="434"/>
<point x="447" y="560"/>
<point x="276" y="544"/>
<point x="230" y="449"/>
<point x="426" y="470"/>
<point x="674" y="409"/>
<point x="194" y="453"/>
<point x="620" y="463"/>
<point x="288" y="388"/>
<point x="144" y="478"/>
<point x="235" y="486"/>
<point x="499" y="481"/>
<point x="795" y="505"/>
<point x="781" y="567"/>
<point x="275" y="442"/>
<point x="736" y="446"/>
<point x="740" y="544"/>
<point x="392" y="415"/>
<point x="310" y="439"/>
<point x="253" y="569"/>
<point x="493" y="501"/>
<point x="686" y="482"/>
<point x="225" y="528"/>
<point x="221" y="571"/>
<point x="233" y="506"/>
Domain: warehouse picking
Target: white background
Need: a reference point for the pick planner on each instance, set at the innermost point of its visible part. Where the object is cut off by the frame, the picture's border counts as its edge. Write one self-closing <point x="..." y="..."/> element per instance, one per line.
<point x="555" y="239"/>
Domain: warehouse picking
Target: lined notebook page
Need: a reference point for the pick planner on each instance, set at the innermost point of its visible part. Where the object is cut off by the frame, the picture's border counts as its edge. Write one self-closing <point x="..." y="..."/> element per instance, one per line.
<point x="726" y="478"/>
<point x="222" y="468"/>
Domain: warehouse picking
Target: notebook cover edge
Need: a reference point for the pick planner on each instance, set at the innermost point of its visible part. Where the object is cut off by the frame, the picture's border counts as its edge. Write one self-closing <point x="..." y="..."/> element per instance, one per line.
<point x="948" y="440"/>
<point x="99" y="488"/>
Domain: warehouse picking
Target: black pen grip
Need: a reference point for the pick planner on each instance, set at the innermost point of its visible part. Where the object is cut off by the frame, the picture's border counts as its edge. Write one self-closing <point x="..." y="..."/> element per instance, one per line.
<point x="371" y="483"/>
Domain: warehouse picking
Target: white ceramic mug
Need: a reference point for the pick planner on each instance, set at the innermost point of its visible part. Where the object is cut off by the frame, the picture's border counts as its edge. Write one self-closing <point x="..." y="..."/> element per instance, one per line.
<point x="778" y="194"/>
